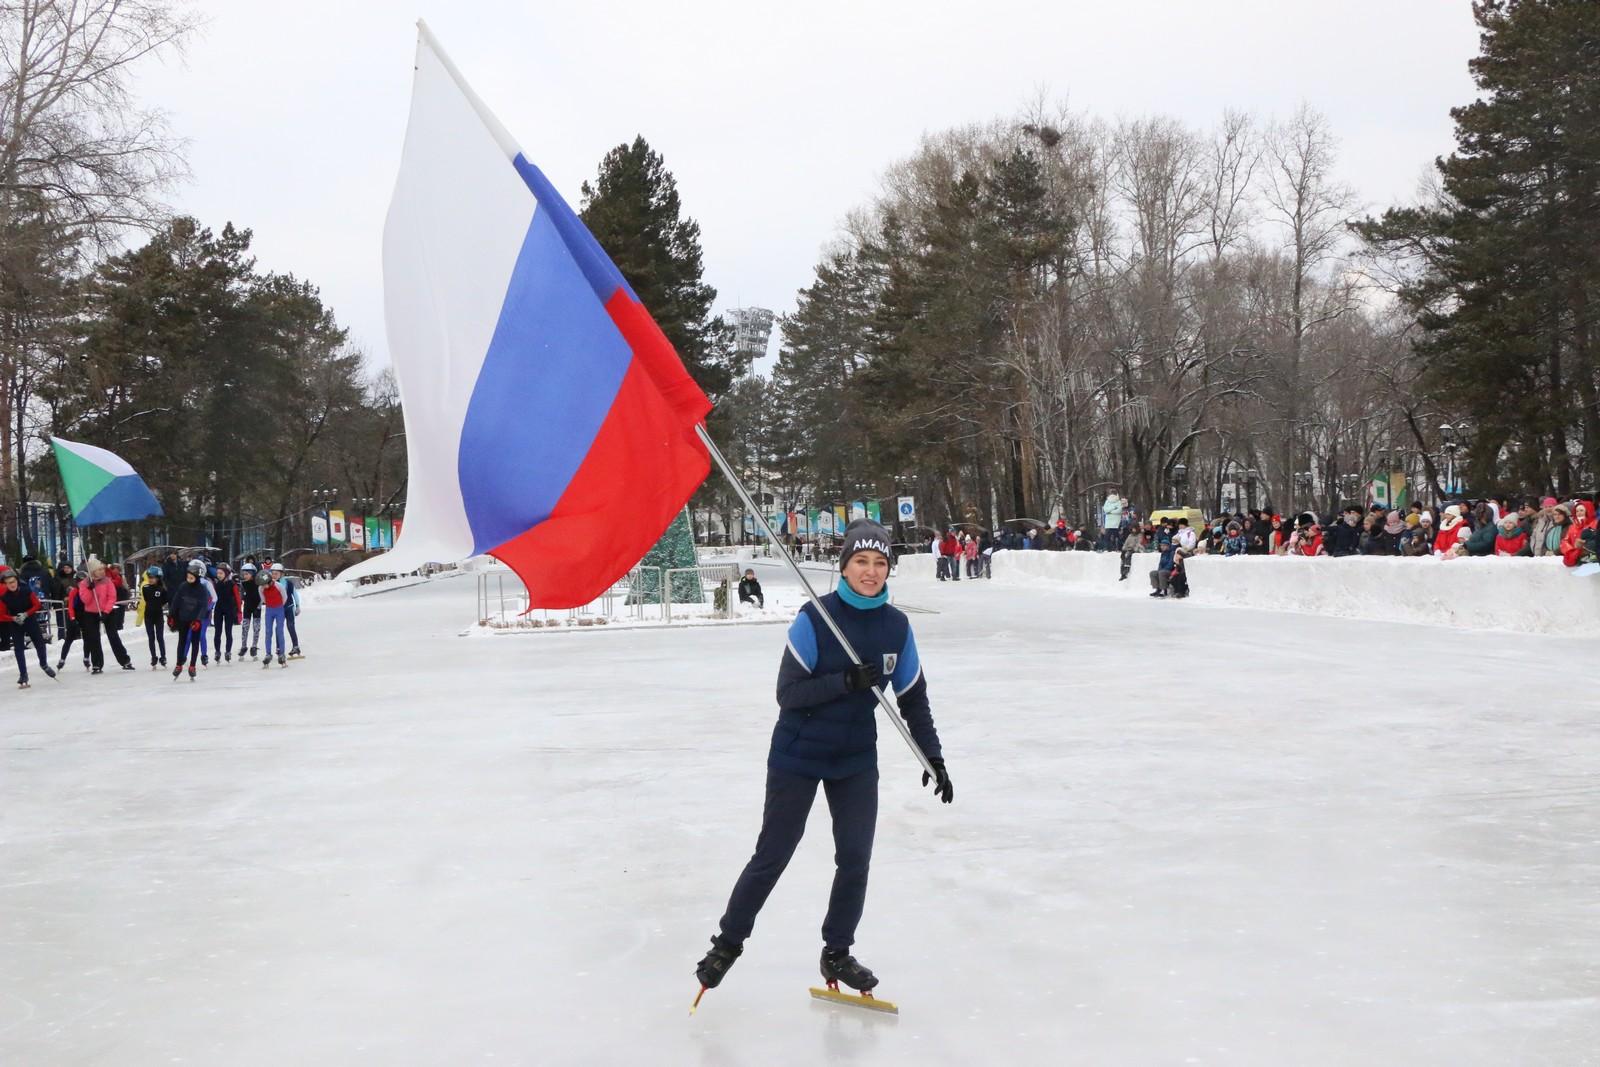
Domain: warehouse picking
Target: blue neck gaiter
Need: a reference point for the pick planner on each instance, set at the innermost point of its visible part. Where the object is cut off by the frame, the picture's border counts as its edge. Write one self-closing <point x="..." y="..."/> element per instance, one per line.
<point x="865" y="603"/>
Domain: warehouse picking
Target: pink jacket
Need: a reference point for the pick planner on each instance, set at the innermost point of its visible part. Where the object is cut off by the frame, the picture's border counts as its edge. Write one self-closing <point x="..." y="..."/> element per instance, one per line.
<point x="98" y="599"/>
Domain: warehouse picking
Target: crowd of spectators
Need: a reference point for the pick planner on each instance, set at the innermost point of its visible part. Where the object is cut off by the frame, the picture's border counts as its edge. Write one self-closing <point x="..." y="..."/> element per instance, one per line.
<point x="1488" y="527"/>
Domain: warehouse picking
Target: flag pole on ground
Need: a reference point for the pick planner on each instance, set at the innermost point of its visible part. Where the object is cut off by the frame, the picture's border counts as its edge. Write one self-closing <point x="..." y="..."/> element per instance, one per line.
<point x="844" y="642"/>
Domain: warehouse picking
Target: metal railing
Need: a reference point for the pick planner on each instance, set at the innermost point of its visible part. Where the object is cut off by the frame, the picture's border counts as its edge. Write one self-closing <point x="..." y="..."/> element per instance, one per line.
<point x="502" y="601"/>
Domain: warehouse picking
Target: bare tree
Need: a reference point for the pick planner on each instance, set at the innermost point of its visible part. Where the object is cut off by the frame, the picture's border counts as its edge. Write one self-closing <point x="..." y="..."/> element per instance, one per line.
<point x="71" y="133"/>
<point x="1312" y="210"/>
<point x="80" y="161"/>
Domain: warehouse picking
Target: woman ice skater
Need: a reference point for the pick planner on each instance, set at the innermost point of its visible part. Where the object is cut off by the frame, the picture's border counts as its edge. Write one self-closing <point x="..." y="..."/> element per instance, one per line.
<point x="827" y="733"/>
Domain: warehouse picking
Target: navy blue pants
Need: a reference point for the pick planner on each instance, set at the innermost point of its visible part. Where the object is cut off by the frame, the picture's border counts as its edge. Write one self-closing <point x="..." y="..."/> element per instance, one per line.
<point x="853" y="803"/>
<point x="21" y="633"/>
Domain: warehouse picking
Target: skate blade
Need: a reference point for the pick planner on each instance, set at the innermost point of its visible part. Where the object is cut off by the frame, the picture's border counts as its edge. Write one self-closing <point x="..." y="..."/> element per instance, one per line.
<point x="870" y="1003"/>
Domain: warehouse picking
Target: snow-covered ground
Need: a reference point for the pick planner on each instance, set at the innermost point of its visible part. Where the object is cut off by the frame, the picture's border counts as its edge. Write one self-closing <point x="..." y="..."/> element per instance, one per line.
<point x="1182" y="834"/>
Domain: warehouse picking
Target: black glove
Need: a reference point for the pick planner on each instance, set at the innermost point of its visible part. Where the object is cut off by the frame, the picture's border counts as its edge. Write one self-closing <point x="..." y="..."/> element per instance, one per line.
<point x="941" y="785"/>
<point x="861" y="676"/>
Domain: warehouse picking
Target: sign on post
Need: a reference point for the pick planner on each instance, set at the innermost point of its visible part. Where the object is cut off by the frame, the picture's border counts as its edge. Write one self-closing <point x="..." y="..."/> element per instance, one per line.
<point x="908" y="509"/>
<point x="319" y="528"/>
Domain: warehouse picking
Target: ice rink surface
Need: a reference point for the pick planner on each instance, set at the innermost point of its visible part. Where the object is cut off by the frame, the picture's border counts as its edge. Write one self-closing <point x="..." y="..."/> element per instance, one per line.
<point x="1181" y="835"/>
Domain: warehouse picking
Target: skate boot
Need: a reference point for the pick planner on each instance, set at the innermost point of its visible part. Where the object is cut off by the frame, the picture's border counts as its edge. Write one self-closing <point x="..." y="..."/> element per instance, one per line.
<point x="281" y="661"/>
<point x="48" y="671"/>
<point x="191" y="672"/>
<point x="294" y="653"/>
<point x="94" y="670"/>
<point x="715" y="965"/>
<point x="227" y="657"/>
<point x="177" y="672"/>
<point x="253" y="650"/>
<point x="128" y="666"/>
<point x="266" y="662"/>
<point x="22" y="683"/>
<point x="839" y="966"/>
<point x="62" y="665"/>
<point x="152" y="663"/>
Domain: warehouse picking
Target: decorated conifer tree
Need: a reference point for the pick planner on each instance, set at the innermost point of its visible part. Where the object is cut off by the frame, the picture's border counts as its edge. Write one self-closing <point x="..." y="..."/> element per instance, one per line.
<point x="674" y="550"/>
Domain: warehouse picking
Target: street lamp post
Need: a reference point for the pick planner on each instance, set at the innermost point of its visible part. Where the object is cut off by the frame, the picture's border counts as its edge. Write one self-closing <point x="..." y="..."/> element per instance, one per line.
<point x="1180" y="481"/>
<point x="1302" y="484"/>
<point x="1452" y="443"/>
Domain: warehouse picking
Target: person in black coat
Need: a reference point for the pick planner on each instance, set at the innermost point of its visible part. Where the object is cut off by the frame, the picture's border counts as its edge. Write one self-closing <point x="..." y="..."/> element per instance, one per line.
<point x="750" y="590"/>
<point x="1343" y="538"/>
<point x="154" y="595"/>
<point x="190" y="606"/>
<point x="250" y="613"/>
<point x="228" y="612"/>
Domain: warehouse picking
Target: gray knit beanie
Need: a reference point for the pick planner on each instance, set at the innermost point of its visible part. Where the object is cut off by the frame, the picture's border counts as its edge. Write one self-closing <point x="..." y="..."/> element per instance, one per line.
<point x="864" y="534"/>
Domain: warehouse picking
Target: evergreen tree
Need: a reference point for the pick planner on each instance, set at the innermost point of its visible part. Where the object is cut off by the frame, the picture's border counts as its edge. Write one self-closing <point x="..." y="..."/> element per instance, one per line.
<point x="675" y="550"/>
<point x="634" y="212"/>
<point x="1507" y="261"/>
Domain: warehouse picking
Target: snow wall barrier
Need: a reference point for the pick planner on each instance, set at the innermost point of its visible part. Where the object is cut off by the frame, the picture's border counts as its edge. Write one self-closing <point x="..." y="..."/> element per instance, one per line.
<point x="1487" y="593"/>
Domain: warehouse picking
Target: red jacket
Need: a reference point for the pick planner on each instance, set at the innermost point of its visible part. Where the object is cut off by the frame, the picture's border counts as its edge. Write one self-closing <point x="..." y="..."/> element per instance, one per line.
<point x="1445" y="540"/>
<point x="33" y="607"/>
<point x="1572" y="540"/>
<point x="1511" y="546"/>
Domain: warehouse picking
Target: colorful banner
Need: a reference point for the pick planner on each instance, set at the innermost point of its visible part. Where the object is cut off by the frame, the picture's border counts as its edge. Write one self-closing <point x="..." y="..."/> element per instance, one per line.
<point x="812" y="520"/>
<point x="839" y="522"/>
<point x="319" y="528"/>
<point x="358" y="532"/>
<point x="908" y="509"/>
<point x="802" y="523"/>
<point x="825" y="523"/>
<point x="372" y="532"/>
<point x="336" y="532"/>
<point x="1379" y="491"/>
<point x="874" y="512"/>
<point x="396" y="537"/>
<point x="385" y="534"/>
<point x="858" y="510"/>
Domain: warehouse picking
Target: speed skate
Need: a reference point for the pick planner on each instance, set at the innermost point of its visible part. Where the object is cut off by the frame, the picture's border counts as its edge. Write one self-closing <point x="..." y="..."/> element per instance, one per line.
<point x="864" y="1000"/>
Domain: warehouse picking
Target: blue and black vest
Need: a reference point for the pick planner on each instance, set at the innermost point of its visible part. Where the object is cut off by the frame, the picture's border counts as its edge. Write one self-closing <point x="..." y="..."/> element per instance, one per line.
<point x="825" y="731"/>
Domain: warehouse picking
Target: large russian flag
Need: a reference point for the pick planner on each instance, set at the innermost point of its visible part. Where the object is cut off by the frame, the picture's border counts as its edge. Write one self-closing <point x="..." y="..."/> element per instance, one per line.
<point x="548" y="420"/>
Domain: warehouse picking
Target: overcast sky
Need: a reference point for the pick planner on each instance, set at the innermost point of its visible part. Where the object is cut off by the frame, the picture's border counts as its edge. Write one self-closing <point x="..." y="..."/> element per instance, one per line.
<point x="777" y="119"/>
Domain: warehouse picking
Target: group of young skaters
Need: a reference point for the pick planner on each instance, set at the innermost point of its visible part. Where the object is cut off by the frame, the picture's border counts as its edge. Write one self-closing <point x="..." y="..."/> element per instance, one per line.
<point x="192" y="600"/>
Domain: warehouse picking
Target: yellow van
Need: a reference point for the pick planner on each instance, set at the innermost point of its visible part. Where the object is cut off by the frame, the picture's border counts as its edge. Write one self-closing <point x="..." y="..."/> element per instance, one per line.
<point x="1196" y="517"/>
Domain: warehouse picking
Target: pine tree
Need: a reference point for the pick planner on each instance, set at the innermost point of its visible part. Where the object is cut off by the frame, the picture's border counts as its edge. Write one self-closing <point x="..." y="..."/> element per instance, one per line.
<point x="634" y="212"/>
<point x="1508" y="259"/>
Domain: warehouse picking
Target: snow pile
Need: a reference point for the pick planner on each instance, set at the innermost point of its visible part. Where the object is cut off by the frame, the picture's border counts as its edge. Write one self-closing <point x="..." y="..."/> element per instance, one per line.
<point x="1486" y="593"/>
<point x="314" y="593"/>
<point x="1524" y="595"/>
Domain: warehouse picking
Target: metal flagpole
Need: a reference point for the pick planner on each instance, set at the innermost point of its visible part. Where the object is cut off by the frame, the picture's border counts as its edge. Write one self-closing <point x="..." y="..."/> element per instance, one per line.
<point x="844" y="642"/>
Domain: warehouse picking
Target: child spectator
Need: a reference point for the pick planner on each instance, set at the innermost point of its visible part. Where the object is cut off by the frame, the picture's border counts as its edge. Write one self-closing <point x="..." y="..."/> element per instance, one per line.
<point x="750" y="590"/>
